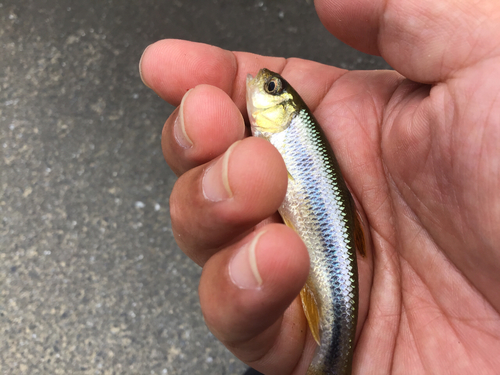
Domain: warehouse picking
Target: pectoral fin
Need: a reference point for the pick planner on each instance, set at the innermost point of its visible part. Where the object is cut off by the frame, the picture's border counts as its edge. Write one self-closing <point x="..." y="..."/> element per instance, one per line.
<point x="311" y="311"/>
<point x="288" y="223"/>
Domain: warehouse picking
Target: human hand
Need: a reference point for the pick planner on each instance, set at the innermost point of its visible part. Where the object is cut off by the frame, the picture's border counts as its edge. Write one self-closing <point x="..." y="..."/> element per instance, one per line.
<point x="421" y="159"/>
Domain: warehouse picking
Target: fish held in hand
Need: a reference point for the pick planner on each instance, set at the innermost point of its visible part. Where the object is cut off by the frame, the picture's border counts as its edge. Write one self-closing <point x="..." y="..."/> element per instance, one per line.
<point x="319" y="207"/>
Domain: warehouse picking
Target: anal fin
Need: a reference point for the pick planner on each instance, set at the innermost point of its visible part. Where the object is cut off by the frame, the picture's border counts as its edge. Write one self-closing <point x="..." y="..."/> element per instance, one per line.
<point x="311" y="311"/>
<point x="309" y="304"/>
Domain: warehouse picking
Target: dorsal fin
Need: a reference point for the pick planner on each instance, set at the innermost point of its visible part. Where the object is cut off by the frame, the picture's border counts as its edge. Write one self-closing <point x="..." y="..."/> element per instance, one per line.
<point x="359" y="235"/>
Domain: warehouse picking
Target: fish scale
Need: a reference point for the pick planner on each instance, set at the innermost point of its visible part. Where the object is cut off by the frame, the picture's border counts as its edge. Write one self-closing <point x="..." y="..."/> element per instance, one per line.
<point x="318" y="206"/>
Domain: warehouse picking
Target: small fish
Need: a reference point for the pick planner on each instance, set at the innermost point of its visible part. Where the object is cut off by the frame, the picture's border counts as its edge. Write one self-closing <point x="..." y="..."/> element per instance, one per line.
<point x="319" y="207"/>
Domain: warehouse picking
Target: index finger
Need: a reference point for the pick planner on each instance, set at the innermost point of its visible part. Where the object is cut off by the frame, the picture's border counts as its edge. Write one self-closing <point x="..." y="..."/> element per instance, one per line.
<point x="171" y="67"/>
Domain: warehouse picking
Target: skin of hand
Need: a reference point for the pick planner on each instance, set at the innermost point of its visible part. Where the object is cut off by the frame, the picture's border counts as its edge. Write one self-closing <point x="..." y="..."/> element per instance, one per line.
<point x="420" y="150"/>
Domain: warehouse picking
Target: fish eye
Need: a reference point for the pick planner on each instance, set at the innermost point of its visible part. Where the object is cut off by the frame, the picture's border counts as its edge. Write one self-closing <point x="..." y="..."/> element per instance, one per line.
<point x="273" y="86"/>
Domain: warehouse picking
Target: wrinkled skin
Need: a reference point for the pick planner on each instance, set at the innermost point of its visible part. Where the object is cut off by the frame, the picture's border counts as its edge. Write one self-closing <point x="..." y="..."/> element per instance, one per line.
<point x="421" y="156"/>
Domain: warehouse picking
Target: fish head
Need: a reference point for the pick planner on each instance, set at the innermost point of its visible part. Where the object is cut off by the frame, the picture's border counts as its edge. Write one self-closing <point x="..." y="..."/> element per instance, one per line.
<point x="270" y="103"/>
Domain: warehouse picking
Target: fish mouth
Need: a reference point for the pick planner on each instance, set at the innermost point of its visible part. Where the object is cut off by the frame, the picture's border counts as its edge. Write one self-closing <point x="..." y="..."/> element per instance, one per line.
<point x="250" y="80"/>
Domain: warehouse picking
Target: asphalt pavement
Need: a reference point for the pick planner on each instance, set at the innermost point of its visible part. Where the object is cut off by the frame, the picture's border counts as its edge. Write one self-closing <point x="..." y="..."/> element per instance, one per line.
<point x="91" y="280"/>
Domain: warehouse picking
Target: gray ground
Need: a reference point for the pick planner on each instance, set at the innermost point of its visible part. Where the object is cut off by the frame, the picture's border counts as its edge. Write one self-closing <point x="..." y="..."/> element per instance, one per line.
<point x="91" y="280"/>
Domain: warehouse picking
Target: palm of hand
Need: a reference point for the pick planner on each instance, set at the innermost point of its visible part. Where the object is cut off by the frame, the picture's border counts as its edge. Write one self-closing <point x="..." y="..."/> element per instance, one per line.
<point x="424" y="170"/>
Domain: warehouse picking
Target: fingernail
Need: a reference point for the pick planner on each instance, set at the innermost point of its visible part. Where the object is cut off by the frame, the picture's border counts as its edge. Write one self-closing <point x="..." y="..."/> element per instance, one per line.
<point x="140" y="67"/>
<point x="215" y="183"/>
<point x="179" y="129"/>
<point x="243" y="269"/>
